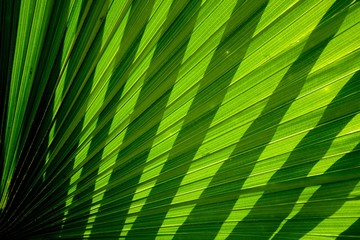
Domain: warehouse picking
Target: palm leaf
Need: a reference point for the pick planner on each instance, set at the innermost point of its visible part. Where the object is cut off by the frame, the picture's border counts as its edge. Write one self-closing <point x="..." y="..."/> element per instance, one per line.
<point x="180" y="119"/>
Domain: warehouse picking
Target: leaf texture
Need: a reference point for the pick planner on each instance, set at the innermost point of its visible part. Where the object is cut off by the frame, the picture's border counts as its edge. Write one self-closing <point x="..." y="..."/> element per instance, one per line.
<point x="181" y="119"/>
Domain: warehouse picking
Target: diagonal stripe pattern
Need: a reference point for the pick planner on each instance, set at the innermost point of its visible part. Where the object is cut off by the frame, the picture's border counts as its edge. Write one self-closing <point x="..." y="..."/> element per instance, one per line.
<point x="180" y="119"/>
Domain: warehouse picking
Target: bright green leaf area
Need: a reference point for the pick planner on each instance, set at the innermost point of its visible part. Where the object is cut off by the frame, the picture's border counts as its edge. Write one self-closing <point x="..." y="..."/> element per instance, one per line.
<point x="180" y="119"/>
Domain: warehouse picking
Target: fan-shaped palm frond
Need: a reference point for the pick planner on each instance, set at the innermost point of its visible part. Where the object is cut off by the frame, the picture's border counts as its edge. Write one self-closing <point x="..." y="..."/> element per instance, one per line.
<point x="182" y="119"/>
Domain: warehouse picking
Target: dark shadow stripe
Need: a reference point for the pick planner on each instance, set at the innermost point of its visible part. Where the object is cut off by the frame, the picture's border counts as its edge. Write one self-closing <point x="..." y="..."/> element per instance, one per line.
<point x="154" y="112"/>
<point x="87" y="184"/>
<point x="254" y="138"/>
<point x="288" y="92"/>
<point x="345" y="103"/>
<point x="52" y="83"/>
<point x="82" y="100"/>
<point x="195" y="223"/>
<point x="211" y="91"/>
<point x="353" y="232"/>
<point x="318" y="207"/>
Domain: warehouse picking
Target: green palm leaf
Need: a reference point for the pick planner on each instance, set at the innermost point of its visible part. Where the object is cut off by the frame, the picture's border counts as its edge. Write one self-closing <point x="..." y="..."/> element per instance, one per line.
<point x="181" y="119"/>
